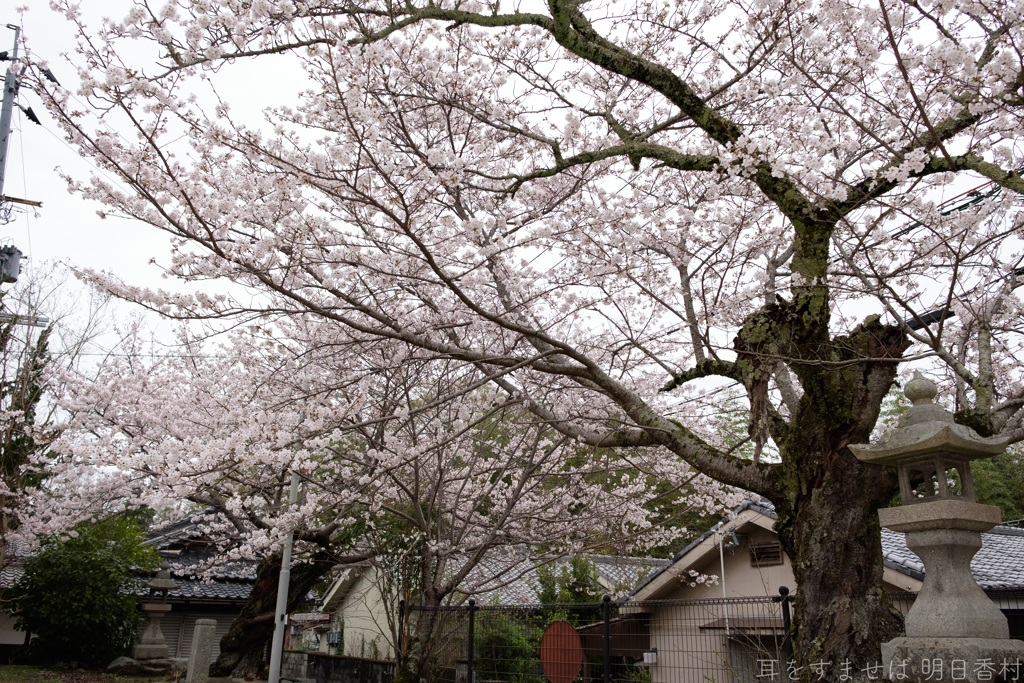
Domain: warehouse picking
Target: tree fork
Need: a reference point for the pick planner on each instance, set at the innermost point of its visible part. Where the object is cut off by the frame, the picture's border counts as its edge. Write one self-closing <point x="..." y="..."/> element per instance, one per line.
<point x="827" y="502"/>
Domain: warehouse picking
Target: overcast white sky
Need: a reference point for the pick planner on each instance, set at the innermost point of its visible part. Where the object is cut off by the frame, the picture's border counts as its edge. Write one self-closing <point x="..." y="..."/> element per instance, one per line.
<point x="66" y="228"/>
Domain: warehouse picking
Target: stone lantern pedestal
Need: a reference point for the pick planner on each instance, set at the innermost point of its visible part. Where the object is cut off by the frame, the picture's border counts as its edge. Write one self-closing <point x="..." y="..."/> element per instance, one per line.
<point x="954" y="631"/>
<point x="151" y="656"/>
<point x="152" y="645"/>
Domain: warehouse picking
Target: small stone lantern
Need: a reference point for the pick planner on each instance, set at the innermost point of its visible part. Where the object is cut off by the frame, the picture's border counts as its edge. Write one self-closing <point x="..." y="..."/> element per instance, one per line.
<point x="954" y="631"/>
<point x="152" y="645"/>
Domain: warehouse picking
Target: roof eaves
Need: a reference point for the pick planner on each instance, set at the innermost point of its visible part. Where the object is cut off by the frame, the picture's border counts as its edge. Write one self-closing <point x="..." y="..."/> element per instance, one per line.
<point x="761" y="506"/>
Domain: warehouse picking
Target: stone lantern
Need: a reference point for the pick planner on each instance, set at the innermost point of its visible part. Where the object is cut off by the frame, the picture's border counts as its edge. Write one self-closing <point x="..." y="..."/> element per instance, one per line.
<point x="152" y="645"/>
<point x="954" y="632"/>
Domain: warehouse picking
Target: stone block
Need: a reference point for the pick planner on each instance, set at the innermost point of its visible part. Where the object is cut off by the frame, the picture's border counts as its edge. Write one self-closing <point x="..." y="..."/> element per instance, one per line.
<point x="143" y="651"/>
<point x="962" y="515"/>
<point x="951" y="660"/>
<point x="126" y="666"/>
<point x="202" y="651"/>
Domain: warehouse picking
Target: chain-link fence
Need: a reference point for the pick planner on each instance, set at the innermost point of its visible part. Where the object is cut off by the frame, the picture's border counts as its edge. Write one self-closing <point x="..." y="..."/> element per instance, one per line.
<point x="666" y="641"/>
<point x="702" y="641"/>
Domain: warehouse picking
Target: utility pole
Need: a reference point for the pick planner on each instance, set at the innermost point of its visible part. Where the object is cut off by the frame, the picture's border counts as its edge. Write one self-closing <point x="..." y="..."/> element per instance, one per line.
<point x="10" y="90"/>
<point x="10" y="255"/>
<point x="280" y="615"/>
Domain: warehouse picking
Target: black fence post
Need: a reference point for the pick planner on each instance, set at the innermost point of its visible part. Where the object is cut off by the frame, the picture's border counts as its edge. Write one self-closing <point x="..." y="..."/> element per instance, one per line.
<point x="470" y="677"/>
<point x="787" y="622"/>
<point x="401" y="632"/>
<point x="607" y="599"/>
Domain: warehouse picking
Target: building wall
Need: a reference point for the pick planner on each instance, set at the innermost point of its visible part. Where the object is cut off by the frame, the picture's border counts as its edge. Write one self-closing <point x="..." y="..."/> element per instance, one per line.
<point x="8" y="635"/>
<point x="362" y="620"/>
<point x="691" y="640"/>
<point x="742" y="578"/>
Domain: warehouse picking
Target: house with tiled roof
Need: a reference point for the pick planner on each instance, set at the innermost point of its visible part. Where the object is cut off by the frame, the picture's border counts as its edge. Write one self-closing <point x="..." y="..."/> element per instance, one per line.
<point x="741" y="559"/>
<point x="743" y="555"/>
<point x="359" y="615"/>
<point x="210" y="586"/>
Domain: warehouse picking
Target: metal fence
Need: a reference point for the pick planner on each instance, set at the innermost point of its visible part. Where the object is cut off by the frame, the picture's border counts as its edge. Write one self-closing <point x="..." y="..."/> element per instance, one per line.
<point x="665" y="641"/>
<point x="703" y="641"/>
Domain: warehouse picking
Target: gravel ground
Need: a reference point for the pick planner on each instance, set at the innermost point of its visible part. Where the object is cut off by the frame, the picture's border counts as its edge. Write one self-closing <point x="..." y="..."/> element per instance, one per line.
<point x="31" y="674"/>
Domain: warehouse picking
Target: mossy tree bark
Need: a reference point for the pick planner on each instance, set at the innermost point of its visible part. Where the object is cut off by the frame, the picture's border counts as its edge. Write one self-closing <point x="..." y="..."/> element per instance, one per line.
<point x="826" y="499"/>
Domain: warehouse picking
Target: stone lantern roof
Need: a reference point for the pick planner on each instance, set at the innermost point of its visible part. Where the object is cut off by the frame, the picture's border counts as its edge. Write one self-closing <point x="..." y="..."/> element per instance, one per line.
<point x="925" y="429"/>
<point x="162" y="583"/>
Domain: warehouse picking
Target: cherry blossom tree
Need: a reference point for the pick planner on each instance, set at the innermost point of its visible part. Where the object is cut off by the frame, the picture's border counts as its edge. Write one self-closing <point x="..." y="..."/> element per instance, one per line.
<point x="42" y="333"/>
<point x="420" y="464"/>
<point x="609" y="209"/>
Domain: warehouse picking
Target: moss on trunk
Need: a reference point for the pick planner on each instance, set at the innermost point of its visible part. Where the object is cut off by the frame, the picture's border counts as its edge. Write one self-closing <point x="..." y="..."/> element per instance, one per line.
<point x="244" y="648"/>
<point x="827" y="500"/>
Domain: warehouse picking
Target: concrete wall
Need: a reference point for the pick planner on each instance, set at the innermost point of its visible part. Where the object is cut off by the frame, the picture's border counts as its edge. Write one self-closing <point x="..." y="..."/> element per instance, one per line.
<point x="321" y="668"/>
<point x="9" y="636"/>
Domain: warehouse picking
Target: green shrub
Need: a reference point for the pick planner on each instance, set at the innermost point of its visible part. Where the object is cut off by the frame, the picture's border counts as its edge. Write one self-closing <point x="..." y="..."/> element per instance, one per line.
<point x="77" y="596"/>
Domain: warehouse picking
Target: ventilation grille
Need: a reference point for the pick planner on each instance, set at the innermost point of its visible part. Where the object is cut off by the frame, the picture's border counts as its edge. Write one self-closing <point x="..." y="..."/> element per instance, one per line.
<point x="765" y="554"/>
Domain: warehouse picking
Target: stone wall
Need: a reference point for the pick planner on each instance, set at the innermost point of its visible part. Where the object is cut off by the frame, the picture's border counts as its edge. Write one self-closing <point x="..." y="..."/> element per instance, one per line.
<point x="315" y="667"/>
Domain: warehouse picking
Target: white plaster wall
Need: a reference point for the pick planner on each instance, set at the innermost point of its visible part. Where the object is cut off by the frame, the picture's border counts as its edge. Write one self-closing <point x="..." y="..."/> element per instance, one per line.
<point x="9" y="636"/>
<point x="366" y="631"/>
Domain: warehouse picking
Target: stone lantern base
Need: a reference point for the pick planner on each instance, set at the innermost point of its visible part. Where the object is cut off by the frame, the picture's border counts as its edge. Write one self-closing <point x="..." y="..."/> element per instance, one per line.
<point x="958" y="633"/>
<point x="947" y="660"/>
<point x="152" y="645"/>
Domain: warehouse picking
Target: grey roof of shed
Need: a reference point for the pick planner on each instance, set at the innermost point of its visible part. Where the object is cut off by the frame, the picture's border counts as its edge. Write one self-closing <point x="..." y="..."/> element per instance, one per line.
<point x="999" y="565"/>
<point x="193" y="589"/>
<point x="512" y="588"/>
<point x="198" y="564"/>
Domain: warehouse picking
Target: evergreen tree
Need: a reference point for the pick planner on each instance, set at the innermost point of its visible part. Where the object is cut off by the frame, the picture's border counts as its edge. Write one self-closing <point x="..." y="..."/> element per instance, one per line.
<point x="78" y="595"/>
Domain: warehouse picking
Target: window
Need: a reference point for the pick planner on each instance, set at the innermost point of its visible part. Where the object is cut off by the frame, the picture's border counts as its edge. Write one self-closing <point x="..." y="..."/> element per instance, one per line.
<point x="765" y="554"/>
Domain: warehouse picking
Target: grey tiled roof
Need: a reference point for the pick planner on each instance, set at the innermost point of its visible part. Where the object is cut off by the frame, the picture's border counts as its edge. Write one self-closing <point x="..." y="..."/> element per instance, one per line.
<point x="206" y="561"/>
<point x="192" y="589"/>
<point x="519" y="587"/>
<point x="999" y="565"/>
<point x="10" y="575"/>
<point x="198" y="564"/>
<point x="186" y="529"/>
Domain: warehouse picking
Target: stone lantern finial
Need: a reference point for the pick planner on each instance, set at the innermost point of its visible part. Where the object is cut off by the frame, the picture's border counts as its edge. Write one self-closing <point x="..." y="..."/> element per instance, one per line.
<point x="920" y="390"/>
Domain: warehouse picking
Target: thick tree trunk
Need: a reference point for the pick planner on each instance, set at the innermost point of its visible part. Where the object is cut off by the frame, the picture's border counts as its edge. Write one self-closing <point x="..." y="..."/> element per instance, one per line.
<point x="842" y="614"/>
<point x="244" y="648"/>
<point x="827" y="502"/>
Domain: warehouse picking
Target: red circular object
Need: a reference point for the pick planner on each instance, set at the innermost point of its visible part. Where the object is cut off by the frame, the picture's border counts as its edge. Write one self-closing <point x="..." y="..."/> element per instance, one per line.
<point x="561" y="652"/>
